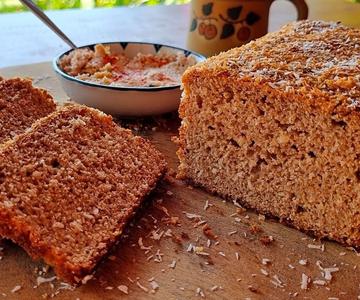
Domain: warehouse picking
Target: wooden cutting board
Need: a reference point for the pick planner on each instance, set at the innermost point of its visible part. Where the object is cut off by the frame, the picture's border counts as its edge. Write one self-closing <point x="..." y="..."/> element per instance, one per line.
<point x="165" y="254"/>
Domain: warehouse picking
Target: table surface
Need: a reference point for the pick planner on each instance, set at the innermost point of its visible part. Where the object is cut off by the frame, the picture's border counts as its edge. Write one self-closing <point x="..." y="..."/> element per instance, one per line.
<point x="231" y="266"/>
<point x="24" y="39"/>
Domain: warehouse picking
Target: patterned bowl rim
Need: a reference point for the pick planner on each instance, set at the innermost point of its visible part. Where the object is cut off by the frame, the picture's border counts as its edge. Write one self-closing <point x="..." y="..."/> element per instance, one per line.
<point x="124" y="44"/>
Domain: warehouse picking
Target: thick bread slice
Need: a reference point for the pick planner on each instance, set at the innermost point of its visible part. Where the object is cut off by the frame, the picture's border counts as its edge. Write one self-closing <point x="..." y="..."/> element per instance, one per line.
<point x="69" y="185"/>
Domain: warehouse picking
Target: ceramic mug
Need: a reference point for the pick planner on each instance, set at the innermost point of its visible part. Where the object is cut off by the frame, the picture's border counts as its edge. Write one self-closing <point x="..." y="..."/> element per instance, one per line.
<point x="218" y="25"/>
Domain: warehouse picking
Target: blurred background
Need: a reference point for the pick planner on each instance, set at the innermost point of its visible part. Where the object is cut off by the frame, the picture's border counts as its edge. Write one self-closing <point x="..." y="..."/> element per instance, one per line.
<point x="7" y="6"/>
<point x="346" y="11"/>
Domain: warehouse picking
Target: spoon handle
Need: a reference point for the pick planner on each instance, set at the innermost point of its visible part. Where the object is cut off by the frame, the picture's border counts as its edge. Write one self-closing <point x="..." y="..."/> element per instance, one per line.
<point x="40" y="14"/>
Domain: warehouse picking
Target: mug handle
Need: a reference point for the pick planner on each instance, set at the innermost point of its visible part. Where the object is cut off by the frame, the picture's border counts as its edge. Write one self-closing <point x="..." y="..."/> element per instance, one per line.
<point x="302" y="9"/>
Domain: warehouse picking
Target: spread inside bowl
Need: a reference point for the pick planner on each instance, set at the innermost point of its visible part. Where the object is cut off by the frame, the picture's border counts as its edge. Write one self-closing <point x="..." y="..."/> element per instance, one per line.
<point x="117" y="69"/>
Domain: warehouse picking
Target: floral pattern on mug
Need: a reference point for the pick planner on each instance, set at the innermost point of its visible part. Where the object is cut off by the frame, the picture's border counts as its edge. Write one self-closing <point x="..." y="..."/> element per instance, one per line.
<point x="205" y="23"/>
<point x="231" y="20"/>
<point x="207" y="27"/>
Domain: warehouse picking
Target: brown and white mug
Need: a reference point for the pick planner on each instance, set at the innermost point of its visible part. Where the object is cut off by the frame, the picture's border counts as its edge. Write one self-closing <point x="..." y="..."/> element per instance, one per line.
<point x="218" y="25"/>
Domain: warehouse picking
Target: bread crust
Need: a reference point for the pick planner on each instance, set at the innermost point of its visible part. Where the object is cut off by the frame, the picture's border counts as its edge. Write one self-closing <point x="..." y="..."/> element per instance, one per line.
<point x="284" y="104"/>
<point x="314" y="62"/>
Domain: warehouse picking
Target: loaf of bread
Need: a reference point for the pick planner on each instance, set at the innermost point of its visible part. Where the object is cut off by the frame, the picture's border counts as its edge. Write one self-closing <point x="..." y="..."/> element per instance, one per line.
<point x="70" y="183"/>
<point x="275" y="125"/>
<point x="21" y="105"/>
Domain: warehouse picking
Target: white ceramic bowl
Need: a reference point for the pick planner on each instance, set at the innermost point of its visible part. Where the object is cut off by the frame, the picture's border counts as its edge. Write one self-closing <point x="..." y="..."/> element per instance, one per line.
<point x="125" y="101"/>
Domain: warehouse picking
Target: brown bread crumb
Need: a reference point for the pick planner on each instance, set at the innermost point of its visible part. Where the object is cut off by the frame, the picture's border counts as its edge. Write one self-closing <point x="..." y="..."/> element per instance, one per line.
<point x="274" y="125"/>
<point x="70" y="184"/>
<point x="21" y="105"/>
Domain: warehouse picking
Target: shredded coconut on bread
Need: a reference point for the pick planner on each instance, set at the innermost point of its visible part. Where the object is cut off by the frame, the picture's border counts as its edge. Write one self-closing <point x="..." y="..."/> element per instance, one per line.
<point x="275" y="124"/>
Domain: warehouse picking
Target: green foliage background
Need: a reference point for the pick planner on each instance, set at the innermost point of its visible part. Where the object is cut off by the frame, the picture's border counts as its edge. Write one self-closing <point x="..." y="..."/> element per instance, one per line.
<point x="15" y="5"/>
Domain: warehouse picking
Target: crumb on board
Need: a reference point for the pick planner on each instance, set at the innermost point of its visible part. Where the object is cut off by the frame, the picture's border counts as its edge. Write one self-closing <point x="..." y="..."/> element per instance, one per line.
<point x="253" y="289"/>
<point x="267" y="240"/>
<point x="208" y="232"/>
<point x="255" y="229"/>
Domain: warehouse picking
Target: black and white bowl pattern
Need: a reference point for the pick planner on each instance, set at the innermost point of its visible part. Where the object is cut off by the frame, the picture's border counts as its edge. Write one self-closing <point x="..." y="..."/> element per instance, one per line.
<point x="125" y="101"/>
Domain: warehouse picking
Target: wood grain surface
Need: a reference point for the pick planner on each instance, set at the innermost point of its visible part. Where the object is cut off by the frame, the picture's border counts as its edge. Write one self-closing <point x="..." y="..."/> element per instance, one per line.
<point x="155" y="259"/>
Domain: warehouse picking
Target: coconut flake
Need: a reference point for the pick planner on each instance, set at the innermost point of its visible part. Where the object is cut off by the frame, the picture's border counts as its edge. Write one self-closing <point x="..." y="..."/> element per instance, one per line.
<point x="192" y="216"/>
<point x="86" y="279"/>
<point x="208" y="243"/>
<point x="206" y="205"/>
<point x="319" y="282"/>
<point x="214" y="288"/>
<point x="278" y="281"/>
<point x="155" y="235"/>
<point x="141" y="245"/>
<point x="123" y="288"/>
<point x="305" y="280"/>
<point x="327" y="272"/>
<point x="66" y="286"/>
<point x="40" y="280"/>
<point x="154" y="285"/>
<point x="317" y="247"/>
<point x="190" y="248"/>
<point x="16" y="289"/>
<point x="168" y="233"/>
<point x="158" y="256"/>
<point x="199" y="292"/>
<point x="303" y="262"/>
<point x="172" y="265"/>
<point x="146" y="290"/>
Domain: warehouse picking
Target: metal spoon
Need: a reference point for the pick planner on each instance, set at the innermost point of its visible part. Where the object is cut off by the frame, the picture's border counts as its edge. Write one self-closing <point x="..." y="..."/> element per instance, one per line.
<point x="40" y="14"/>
